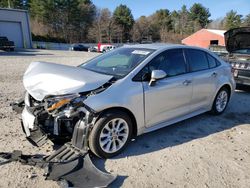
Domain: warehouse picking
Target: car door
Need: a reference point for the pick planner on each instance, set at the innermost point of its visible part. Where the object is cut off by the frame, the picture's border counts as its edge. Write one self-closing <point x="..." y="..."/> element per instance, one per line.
<point x="204" y="76"/>
<point x="170" y="97"/>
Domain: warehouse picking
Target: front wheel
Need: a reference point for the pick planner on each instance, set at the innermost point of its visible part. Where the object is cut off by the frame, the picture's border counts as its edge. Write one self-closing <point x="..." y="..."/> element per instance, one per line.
<point x="110" y="134"/>
<point x="220" y="101"/>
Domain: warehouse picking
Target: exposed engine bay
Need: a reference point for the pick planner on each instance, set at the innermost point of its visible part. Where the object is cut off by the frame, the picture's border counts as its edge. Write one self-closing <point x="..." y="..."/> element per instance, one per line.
<point x="54" y="117"/>
<point x="62" y="118"/>
<point x="70" y="165"/>
<point x="238" y="45"/>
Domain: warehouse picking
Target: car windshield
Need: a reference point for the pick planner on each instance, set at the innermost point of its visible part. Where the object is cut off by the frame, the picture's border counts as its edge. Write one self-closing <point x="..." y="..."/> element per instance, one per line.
<point x="242" y="51"/>
<point x="118" y="62"/>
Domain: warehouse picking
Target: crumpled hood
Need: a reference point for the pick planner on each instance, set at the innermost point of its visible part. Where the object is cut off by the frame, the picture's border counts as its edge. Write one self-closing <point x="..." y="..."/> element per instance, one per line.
<point x="42" y="79"/>
<point x="236" y="39"/>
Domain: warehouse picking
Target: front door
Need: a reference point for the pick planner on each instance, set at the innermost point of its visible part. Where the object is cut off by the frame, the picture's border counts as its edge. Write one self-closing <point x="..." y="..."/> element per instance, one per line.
<point x="170" y="97"/>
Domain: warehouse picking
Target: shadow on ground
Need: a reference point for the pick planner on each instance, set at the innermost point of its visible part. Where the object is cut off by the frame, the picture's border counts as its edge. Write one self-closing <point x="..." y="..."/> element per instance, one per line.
<point x="243" y="88"/>
<point x="24" y="52"/>
<point x="182" y="132"/>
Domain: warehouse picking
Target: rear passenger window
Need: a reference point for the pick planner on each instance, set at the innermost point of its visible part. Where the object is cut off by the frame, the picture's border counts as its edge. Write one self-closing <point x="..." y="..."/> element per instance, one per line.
<point x="197" y="60"/>
<point x="211" y="61"/>
<point x="218" y="63"/>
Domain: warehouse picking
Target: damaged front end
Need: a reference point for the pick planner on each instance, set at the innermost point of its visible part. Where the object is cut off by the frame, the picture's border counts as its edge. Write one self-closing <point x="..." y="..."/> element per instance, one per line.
<point x="61" y="118"/>
<point x="53" y="108"/>
<point x="54" y="99"/>
<point x="53" y="117"/>
<point x="71" y="163"/>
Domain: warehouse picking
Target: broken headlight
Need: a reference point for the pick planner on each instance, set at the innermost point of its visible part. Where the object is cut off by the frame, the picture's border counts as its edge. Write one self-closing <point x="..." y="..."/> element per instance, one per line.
<point x="57" y="102"/>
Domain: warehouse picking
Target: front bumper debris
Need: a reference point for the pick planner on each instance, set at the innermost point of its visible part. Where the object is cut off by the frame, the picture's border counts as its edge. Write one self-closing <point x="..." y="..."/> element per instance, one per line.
<point x="67" y="163"/>
<point x="37" y="137"/>
<point x="18" y="106"/>
<point x="70" y="163"/>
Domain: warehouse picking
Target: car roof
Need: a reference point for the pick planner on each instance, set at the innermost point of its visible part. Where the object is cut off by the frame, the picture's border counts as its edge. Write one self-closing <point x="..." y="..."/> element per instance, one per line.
<point x="153" y="46"/>
<point x="163" y="46"/>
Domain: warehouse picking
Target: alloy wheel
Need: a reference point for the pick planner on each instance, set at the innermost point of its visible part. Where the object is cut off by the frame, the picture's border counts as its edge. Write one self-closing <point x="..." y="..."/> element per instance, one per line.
<point x="114" y="135"/>
<point x="221" y="101"/>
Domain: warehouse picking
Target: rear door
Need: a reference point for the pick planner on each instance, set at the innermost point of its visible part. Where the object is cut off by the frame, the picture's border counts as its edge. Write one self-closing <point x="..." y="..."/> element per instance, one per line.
<point x="168" y="98"/>
<point x="202" y="68"/>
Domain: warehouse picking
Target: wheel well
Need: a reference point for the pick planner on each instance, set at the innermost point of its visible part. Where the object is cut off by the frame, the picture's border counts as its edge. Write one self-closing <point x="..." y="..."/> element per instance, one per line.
<point x="228" y="87"/>
<point x="130" y="114"/>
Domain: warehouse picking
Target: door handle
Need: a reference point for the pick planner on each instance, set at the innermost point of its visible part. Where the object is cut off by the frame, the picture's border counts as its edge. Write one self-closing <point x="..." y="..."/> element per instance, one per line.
<point x="187" y="82"/>
<point x="214" y="74"/>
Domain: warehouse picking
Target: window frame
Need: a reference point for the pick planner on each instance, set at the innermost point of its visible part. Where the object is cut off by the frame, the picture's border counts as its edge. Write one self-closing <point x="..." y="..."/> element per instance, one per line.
<point x="187" y="59"/>
<point x="217" y="63"/>
<point x="147" y="65"/>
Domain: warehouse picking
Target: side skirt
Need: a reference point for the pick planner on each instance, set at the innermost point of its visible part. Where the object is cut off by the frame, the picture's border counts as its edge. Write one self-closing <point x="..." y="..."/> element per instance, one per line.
<point x="172" y="121"/>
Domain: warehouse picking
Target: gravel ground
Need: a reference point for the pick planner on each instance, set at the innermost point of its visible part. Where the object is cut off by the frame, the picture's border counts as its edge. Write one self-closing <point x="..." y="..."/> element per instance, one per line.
<point x="204" y="151"/>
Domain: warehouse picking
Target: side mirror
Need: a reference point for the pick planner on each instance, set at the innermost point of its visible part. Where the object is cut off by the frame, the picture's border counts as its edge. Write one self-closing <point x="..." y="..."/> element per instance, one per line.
<point x="157" y="75"/>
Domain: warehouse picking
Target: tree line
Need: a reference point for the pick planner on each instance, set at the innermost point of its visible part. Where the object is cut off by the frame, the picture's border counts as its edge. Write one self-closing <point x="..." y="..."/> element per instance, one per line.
<point x="81" y="21"/>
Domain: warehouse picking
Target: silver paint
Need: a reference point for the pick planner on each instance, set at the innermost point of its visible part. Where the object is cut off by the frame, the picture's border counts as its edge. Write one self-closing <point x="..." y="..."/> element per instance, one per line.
<point x="42" y="79"/>
<point x="168" y="101"/>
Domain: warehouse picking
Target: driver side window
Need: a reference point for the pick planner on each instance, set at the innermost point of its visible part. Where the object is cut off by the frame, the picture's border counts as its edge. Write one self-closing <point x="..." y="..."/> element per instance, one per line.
<point x="170" y="61"/>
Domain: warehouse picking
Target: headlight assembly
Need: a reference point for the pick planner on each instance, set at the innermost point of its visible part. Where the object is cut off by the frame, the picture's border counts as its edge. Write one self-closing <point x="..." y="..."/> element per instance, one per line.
<point x="59" y="101"/>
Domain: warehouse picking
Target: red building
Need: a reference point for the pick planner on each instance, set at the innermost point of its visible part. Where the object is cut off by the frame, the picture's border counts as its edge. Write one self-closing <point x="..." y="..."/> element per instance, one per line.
<point x="205" y="37"/>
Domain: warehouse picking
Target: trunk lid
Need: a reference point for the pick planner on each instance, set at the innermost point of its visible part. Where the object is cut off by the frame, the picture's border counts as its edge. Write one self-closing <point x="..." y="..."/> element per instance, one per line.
<point x="237" y="39"/>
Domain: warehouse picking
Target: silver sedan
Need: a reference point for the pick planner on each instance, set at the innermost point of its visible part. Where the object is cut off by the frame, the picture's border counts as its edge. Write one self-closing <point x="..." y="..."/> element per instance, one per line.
<point x="124" y="93"/>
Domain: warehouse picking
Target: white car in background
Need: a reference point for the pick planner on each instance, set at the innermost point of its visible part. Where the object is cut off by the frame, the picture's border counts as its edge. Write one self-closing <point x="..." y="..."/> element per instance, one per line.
<point x="108" y="48"/>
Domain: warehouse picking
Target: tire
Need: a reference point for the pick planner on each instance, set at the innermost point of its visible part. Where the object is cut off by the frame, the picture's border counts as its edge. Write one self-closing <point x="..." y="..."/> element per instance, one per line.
<point x="220" y="103"/>
<point x="106" y="143"/>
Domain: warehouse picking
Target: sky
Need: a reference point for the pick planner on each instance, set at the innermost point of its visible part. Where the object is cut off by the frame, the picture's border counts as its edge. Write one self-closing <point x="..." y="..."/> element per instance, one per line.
<point x="217" y="8"/>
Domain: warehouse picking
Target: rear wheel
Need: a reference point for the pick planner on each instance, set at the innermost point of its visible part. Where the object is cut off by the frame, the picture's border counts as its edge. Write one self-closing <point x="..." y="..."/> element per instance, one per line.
<point x="220" y="101"/>
<point x="111" y="134"/>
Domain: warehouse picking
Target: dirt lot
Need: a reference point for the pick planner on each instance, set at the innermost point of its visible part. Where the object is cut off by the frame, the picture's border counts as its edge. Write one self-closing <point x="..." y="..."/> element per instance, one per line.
<point x="204" y="151"/>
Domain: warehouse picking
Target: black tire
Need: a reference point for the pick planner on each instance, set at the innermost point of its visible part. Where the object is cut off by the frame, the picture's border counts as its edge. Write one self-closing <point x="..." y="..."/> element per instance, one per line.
<point x="214" y="109"/>
<point x="95" y="134"/>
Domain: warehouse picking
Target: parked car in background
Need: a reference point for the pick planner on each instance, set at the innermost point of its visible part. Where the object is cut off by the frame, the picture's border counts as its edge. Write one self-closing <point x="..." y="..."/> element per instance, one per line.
<point x="221" y="51"/>
<point x="238" y="45"/>
<point x="124" y="93"/>
<point x="5" y="44"/>
<point x="93" y="49"/>
<point x="102" y="47"/>
<point x="108" y="48"/>
<point x="79" y="47"/>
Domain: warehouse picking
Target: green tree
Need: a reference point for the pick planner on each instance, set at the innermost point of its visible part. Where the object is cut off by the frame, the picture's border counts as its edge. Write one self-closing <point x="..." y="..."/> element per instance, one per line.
<point x="17" y="4"/>
<point x="175" y="17"/>
<point x="160" y="23"/>
<point x="200" y="15"/>
<point x="246" y="21"/>
<point x="124" y="19"/>
<point x="67" y="19"/>
<point x="232" y="20"/>
<point x="36" y="9"/>
<point x="185" y="22"/>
